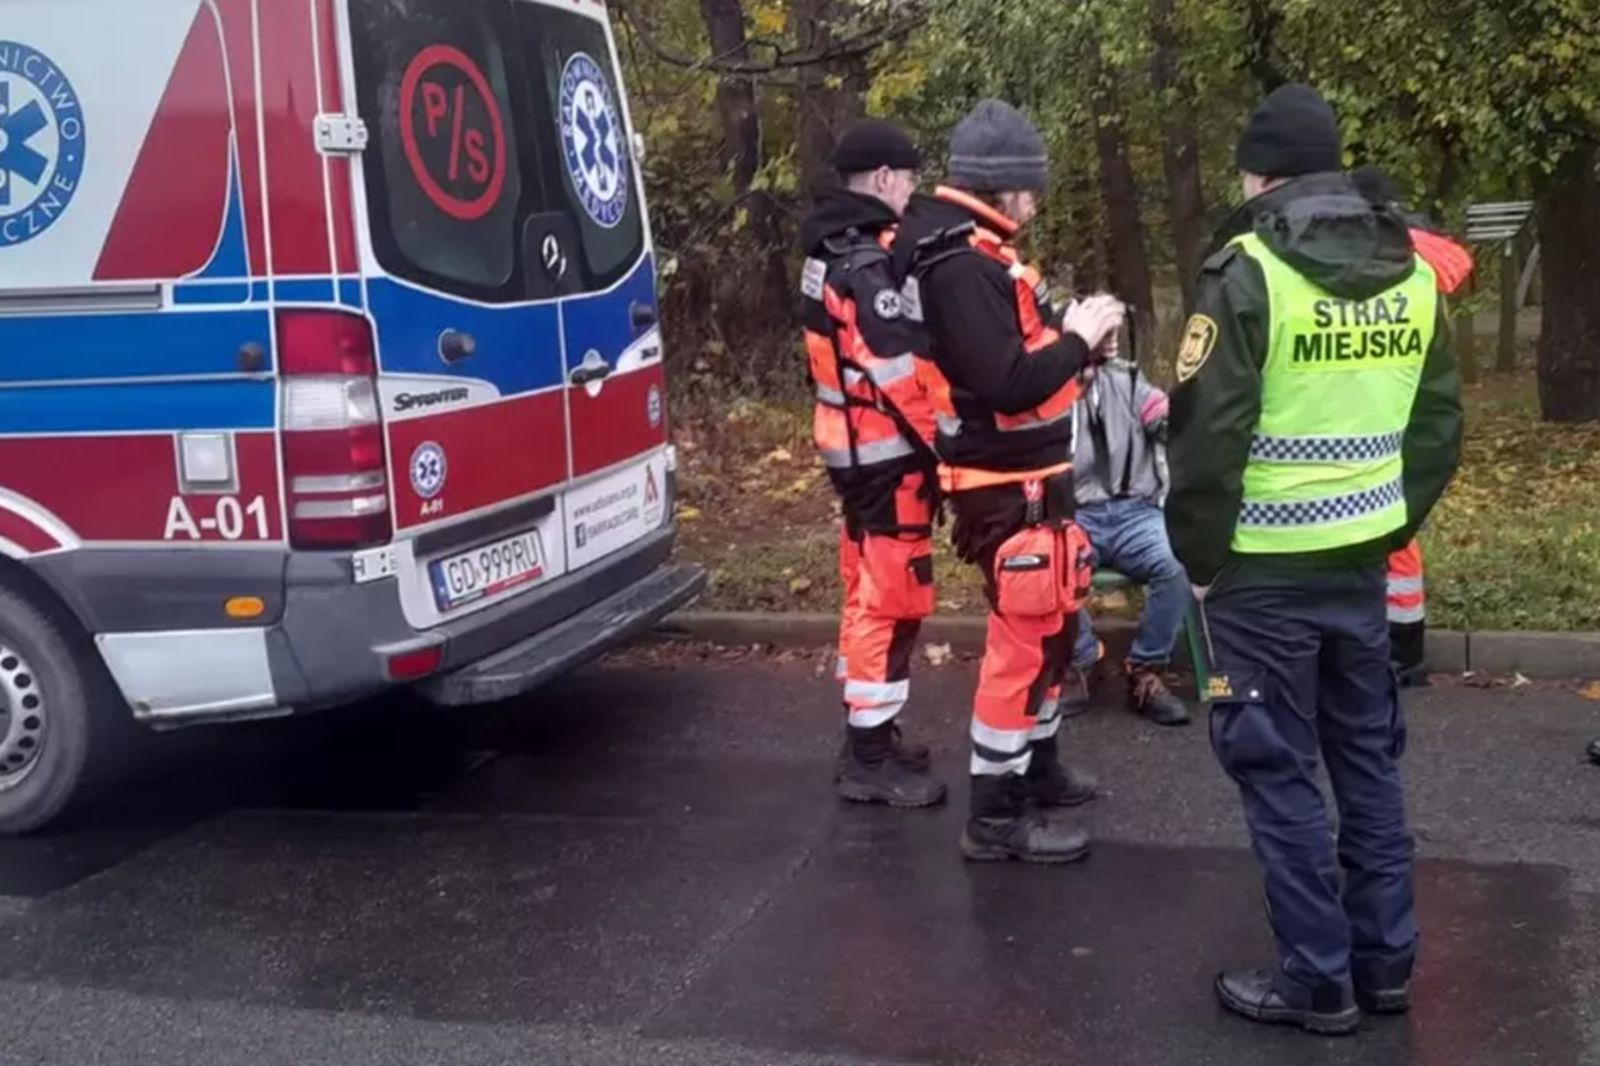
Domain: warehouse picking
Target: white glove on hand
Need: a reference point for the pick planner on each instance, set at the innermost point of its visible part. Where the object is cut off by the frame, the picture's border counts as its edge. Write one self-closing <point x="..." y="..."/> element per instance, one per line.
<point x="1094" y="319"/>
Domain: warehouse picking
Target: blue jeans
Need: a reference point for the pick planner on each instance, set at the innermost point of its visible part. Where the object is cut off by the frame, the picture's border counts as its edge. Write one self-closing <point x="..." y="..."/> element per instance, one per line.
<point x="1130" y="537"/>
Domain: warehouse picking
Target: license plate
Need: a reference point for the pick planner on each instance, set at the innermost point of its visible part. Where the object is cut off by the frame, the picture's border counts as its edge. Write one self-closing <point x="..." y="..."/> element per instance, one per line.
<point x="487" y="570"/>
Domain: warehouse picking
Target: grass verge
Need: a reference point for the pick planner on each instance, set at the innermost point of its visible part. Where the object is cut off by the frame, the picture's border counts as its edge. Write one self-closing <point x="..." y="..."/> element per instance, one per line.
<point x="1514" y="545"/>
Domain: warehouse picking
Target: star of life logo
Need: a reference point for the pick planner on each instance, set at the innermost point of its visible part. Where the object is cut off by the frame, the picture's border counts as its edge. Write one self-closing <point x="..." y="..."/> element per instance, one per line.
<point x="42" y="143"/>
<point x="593" y="141"/>
<point x="429" y="468"/>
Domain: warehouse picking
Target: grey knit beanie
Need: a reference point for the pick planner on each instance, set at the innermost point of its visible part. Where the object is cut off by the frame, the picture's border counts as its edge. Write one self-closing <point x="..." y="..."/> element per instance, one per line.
<point x="997" y="148"/>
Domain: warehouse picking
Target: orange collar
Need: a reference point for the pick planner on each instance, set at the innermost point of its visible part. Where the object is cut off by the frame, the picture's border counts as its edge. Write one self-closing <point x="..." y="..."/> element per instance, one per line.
<point x="1002" y="225"/>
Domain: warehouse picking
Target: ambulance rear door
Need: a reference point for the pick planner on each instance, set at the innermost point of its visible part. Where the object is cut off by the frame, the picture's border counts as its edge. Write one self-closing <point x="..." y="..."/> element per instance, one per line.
<point x="508" y="276"/>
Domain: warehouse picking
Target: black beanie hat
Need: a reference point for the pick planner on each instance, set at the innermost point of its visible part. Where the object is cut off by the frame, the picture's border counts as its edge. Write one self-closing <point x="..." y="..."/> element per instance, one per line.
<point x="1293" y="132"/>
<point x="872" y="143"/>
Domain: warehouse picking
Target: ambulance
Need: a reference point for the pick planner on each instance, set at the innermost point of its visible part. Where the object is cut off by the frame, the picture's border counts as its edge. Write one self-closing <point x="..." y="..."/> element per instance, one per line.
<point x="329" y="363"/>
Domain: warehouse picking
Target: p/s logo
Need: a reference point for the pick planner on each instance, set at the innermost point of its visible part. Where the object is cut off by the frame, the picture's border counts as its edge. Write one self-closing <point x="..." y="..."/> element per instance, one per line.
<point x="42" y="143"/>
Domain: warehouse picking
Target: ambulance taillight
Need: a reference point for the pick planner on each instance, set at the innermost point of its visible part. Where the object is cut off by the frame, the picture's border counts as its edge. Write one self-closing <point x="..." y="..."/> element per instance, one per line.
<point x="333" y="452"/>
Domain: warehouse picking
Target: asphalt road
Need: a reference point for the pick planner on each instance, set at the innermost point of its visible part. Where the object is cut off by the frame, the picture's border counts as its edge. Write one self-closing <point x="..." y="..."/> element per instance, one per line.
<point x="644" y="864"/>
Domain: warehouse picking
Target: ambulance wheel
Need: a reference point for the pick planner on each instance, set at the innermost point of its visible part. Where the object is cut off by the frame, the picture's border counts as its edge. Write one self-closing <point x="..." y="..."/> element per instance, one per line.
<point x="45" y="716"/>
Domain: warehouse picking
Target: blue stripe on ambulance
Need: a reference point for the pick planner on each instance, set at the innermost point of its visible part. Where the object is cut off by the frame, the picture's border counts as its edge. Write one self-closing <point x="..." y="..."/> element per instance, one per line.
<point x="518" y="346"/>
<point x="131" y="346"/>
<point x="139" y="407"/>
<point x="602" y="322"/>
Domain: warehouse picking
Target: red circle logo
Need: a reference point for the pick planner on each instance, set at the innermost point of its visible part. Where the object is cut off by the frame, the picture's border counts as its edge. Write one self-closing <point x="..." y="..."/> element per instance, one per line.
<point x="452" y="131"/>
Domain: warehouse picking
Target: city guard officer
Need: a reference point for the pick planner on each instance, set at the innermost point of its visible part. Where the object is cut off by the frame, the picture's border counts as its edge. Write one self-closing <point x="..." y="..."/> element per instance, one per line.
<point x="1316" y="422"/>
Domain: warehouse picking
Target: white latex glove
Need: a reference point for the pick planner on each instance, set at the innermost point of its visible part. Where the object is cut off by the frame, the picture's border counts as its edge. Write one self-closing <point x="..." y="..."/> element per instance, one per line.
<point x="1094" y="319"/>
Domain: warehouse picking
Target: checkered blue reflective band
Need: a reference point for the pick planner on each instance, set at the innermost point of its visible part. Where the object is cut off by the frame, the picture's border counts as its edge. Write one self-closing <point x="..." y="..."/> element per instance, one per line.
<point x="1326" y="449"/>
<point x="1323" y="511"/>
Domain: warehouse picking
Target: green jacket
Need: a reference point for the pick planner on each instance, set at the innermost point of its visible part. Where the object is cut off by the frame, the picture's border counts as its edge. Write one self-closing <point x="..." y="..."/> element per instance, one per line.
<point x="1321" y="226"/>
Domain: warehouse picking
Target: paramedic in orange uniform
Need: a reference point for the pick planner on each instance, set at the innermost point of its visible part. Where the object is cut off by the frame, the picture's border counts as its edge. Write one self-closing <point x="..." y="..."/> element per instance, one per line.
<point x="1453" y="265"/>
<point x="873" y="428"/>
<point x="1003" y="374"/>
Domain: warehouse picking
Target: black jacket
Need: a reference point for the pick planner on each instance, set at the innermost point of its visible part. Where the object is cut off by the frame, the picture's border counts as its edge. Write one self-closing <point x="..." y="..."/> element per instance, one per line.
<point x="1321" y="226"/>
<point x="969" y="305"/>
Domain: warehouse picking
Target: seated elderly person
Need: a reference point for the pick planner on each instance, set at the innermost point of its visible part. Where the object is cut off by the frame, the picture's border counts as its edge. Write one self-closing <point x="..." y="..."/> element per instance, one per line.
<point x="1120" y="486"/>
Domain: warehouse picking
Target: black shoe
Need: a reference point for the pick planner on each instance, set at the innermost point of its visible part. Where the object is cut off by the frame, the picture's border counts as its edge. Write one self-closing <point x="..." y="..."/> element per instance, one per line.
<point x="1075" y="693"/>
<point x="1594" y="753"/>
<point x="1052" y="783"/>
<point x="874" y="772"/>
<point x="1384" y="1000"/>
<point x="1002" y="826"/>
<point x="1148" y="695"/>
<point x="1252" y="994"/>
<point x="1413" y="676"/>
<point x="916" y="756"/>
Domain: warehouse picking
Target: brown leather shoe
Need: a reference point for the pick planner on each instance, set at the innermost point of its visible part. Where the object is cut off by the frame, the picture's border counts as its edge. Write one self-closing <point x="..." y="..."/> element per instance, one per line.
<point x="1148" y="695"/>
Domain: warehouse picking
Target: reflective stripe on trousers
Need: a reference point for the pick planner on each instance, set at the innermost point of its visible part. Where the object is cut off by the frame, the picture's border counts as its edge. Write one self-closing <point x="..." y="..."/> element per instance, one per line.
<point x="869" y="453"/>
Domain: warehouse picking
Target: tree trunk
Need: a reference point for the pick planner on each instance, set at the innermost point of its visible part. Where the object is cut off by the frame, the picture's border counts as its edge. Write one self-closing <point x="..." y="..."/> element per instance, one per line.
<point x="829" y="96"/>
<point x="1130" y="263"/>
<point x="736" y="96"/>
<point x="772" y="306"/>
<point x="1569" y="339"/>
<point x="1180" y="153"/>
<point x="1505" y="361"/>
<point x="1467" y="347"/>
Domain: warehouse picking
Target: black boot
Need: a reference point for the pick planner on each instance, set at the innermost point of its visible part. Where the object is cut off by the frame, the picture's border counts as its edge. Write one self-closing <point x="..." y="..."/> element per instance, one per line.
<point x="874" y="772"/>
<point x="1148" y="695"/>
<point x="916" y="756"/>
<point x="1252" y="994"/>
<point x="1002" y="826"/>
<point x="1053" y="783"/>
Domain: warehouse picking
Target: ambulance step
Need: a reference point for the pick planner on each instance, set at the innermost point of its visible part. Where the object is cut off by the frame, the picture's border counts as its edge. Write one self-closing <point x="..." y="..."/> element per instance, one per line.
<point x="566" y="646"/>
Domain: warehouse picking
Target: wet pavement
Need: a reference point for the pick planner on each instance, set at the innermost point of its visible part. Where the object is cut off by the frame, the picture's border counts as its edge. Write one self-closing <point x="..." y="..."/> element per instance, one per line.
<point x="644" y="864"/>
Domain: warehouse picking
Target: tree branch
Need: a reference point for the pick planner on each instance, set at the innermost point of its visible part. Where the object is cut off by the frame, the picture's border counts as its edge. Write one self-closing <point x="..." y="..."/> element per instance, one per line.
<point x="855" y="47"/>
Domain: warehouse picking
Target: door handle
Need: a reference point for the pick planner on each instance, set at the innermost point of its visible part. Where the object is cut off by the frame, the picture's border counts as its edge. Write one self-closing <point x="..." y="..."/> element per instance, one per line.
<point x="454" y="346"/>
<point x="643" y="316"/>
<point x="593" y="370"/>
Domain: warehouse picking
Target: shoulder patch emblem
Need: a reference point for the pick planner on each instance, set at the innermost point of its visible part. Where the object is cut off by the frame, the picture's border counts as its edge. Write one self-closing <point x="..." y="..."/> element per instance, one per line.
<point x="1199" y="338"/>
<point x="887" y="305"/>
<point x="813" y="277"/>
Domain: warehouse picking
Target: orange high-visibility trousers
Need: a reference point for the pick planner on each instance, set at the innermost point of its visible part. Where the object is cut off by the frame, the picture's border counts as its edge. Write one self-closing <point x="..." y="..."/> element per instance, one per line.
<point x="1407" y="603"/>
<point x="1036" y="578"/>
<point x="1407" y="610"/>
<point x="888" y="591"/>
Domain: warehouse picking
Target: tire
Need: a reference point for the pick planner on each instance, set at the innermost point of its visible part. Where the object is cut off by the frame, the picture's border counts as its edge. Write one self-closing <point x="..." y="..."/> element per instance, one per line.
<point x="48" y="739"/>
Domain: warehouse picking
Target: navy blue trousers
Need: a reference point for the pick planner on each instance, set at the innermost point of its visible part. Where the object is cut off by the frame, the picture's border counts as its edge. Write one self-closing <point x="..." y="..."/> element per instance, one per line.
<point x="1307" y="655"/>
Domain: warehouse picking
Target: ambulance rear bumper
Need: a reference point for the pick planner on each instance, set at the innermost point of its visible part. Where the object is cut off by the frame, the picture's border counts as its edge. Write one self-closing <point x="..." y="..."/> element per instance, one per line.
<point x="327" y="640"/>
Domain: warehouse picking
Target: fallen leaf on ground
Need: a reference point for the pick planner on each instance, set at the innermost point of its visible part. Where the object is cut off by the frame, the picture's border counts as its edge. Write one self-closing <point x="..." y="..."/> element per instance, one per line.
<point x="689" y="514"/>
<point x="1518" y="681"/>
<point x="937" y="654"/>
<point x="800" y="585"/>
<point x="1591" y="691"/>
<point x="777" y="455"/>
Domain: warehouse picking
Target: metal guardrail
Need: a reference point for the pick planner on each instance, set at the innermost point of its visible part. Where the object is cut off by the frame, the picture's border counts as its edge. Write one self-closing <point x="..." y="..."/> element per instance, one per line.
<point x="1498" y="221"/>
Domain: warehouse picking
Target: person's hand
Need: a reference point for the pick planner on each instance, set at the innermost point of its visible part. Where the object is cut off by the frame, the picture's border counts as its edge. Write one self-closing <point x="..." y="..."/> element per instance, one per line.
<point x="1094" y="319"/>
<point x="1156" y="407"/>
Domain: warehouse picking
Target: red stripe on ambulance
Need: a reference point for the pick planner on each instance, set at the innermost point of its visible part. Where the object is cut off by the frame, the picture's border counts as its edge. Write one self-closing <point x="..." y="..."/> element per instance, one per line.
<point x="493" y="453"/>
<point x="124" y="488"/>
<point x="173" y="207"/>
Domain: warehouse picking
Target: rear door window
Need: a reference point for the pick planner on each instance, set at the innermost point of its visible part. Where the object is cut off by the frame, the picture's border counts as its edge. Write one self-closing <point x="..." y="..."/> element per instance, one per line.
<point x="500" y="168"/>
<point x="577" y="105"/>
<point x="444" y="173"/>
